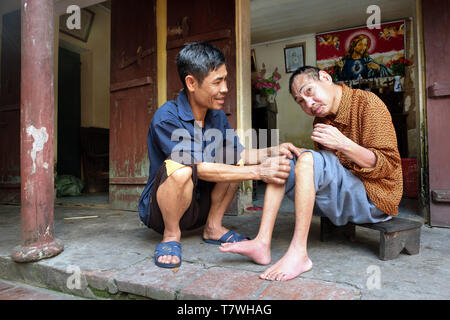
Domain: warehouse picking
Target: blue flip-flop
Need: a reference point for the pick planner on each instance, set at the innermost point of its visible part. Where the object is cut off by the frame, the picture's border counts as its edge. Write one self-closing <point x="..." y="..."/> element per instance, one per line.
<point x="171" y="248"/>
<point x="229" y="237"/>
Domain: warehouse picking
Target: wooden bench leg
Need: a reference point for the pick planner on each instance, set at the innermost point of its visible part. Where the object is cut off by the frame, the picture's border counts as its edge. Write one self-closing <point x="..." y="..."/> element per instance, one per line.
<point x="392" y="244"/>
<point x="328" y="229"/>
<point x="396" y="235"/>
<point x="412" y="245"/>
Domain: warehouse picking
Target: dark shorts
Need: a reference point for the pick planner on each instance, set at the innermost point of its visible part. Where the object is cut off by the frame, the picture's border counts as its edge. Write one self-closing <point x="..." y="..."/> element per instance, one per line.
<point x="197" y="213"/>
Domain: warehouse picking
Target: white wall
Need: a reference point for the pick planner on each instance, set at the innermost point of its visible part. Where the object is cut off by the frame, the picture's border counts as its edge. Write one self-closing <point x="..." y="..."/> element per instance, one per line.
<point x="295" y="126"/>
<point x="95" y="69"/>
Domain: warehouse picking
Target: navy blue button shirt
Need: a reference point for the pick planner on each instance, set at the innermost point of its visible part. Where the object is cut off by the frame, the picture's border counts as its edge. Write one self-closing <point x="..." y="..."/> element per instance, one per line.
<point x="174" y="134"/>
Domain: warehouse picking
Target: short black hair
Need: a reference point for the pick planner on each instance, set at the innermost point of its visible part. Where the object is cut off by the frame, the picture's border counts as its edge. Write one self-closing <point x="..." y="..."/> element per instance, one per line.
<point x="198" y="59"/>
<point x="311" y="71"/>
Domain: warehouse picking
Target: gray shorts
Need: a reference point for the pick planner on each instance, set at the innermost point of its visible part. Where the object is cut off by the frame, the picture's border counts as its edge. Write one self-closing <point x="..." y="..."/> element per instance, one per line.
<point x="340" y="196"/>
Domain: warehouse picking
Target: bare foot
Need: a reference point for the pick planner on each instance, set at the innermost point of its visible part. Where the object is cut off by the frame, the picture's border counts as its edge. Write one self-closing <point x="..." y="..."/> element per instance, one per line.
<point x="291" y="265"/>
<point x="254" y="249"/>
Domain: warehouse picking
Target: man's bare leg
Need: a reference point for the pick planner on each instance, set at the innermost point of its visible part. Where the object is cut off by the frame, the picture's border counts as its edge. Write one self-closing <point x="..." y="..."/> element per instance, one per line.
<point x="258" y="249"/>
<point x="296" y="260"/>
<point x="221" y="197"/>
<point x="174" y="197"/>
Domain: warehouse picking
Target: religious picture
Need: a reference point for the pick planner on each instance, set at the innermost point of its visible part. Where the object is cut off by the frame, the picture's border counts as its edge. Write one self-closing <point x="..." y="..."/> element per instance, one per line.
<point x="361" y="53"/>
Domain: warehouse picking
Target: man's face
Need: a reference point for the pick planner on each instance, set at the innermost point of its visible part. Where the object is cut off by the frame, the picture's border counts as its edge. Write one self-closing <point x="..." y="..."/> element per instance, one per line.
<point x="361" y="46"/>
<point x="213" y="90"/>
<point x="314" y="96"/>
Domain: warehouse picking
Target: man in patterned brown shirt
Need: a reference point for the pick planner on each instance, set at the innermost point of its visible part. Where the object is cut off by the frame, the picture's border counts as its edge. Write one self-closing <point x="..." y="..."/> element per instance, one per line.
<point x="353" y="176"/>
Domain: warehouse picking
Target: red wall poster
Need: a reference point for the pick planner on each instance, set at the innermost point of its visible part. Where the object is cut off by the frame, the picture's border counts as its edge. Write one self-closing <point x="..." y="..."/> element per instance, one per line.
<point x="361" y="53"/>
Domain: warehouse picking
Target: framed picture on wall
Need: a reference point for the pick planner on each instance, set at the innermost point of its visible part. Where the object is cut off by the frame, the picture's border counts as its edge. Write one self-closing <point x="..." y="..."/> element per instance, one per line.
<point x="87" y="18"/>
<point x="294" y="56"/>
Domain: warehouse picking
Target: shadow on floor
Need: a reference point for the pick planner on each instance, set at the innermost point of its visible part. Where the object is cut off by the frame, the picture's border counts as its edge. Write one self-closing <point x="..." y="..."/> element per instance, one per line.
<point x="95" y="200"/>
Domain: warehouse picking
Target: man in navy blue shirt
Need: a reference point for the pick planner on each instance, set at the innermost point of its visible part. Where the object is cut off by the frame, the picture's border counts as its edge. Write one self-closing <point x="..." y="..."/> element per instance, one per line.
<point x="196" y="160"/>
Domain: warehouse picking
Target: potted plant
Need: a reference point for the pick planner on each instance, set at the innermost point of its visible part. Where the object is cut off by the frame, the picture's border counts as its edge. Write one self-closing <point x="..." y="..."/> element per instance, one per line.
<point x="266" y="87"/>
<point x="398" y="66"/>
<point x="398" y="70"/>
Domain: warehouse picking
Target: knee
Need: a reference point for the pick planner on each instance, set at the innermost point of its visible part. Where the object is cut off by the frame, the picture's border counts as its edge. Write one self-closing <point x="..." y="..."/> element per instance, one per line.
<point x="221" y="189"/>
<point x="234" y="186"/>
<point x="182" y="175"/>
<point x="304" y="162"/>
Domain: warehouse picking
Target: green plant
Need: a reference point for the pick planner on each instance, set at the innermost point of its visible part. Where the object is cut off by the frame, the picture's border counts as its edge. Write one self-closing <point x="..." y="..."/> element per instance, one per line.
<point x="267" y="86"/>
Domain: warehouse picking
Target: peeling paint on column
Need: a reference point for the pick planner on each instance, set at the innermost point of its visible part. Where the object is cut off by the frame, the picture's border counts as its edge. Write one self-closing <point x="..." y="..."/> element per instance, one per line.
<point x="40" y="137"/>
<point x="47" y="232"/>
<point x="37" y="108"/>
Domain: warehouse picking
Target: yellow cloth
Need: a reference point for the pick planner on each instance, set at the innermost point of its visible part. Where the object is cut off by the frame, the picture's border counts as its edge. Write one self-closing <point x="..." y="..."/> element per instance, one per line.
<point x="172" y="166"/>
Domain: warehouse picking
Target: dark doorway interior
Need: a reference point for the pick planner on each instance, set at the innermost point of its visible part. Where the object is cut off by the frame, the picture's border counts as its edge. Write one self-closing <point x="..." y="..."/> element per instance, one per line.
<point x="10" y="108"/>
<point x="72" y="138"/>
<point x="69" y="114"/>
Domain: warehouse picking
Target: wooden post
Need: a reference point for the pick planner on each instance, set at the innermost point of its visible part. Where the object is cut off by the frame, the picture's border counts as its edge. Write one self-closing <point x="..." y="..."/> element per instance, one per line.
<point x="37" y="124"/>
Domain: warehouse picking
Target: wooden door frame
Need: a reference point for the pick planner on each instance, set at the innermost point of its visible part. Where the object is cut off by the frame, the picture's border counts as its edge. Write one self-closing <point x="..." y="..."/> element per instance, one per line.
<point x="436" y="208"/>
<point x="244" y="91"/>
<point x="422" y="145"/>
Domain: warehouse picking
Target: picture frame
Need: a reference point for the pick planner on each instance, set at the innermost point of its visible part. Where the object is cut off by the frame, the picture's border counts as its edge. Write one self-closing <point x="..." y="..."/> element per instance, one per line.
<point x="294" y="56"/>
<point x="87" y="18"/>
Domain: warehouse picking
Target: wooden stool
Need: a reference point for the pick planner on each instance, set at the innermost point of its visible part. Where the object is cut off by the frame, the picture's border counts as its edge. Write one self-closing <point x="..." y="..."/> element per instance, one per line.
<point x="396" y="235"/>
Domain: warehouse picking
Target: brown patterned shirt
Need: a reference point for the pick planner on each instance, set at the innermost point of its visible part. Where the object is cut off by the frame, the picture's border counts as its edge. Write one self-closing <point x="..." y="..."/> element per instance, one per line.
<point x="365" y="119"/>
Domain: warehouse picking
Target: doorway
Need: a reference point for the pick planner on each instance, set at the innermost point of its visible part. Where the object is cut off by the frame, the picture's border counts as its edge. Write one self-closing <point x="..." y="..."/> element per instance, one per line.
<point x="78" y="148"/>
<point x="269" y="49"/>
<point x="69" y="114"/>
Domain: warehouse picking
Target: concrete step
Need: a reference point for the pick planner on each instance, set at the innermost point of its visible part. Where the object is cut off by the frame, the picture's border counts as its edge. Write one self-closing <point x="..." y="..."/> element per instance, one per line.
<point x="111" y="257"/>
<point x="144" y="280"/>
<point x="11" y="290"/>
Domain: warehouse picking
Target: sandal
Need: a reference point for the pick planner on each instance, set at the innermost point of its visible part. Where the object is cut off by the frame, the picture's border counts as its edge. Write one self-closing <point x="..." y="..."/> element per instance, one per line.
<point x="229" y="237"/>
<point x="171" y="248"/>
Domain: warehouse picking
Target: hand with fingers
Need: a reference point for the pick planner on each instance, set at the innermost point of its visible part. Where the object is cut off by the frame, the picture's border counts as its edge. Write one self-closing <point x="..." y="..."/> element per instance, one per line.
<point x="275" y="170"/>
<point x="329" y="137"/>
<point x="285" y="149"/>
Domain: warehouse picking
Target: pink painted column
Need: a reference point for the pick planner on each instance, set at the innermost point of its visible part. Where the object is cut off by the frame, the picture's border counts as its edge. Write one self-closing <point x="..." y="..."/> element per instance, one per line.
<point x="37" y="123"/>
